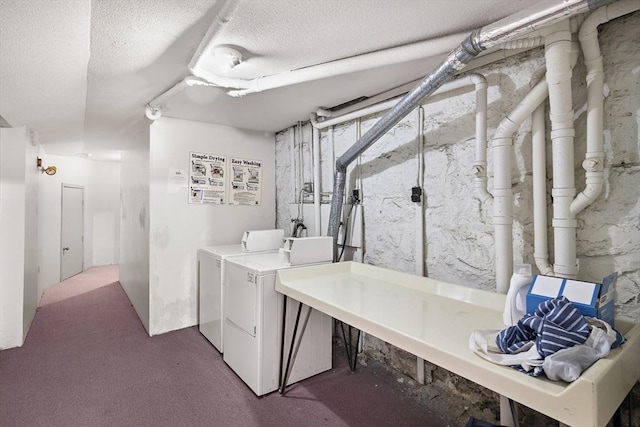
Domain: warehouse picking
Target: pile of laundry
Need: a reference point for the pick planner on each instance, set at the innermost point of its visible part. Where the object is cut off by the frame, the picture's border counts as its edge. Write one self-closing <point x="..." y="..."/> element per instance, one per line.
<point x="556" y="339"/>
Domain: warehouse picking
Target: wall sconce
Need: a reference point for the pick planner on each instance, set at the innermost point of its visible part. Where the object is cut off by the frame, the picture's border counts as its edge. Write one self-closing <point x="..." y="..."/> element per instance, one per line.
<point x="49" y="170"/>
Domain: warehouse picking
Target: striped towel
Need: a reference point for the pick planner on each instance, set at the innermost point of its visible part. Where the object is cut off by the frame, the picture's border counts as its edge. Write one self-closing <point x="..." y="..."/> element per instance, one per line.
<point x="555" y="325"/>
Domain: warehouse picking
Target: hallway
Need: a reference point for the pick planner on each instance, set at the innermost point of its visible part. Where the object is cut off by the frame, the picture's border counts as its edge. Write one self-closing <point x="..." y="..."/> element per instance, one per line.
<point x="87" y="361"/>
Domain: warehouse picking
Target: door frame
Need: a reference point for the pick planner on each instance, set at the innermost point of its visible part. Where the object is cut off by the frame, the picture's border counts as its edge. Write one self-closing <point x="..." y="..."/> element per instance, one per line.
<point x="62" y="187"/>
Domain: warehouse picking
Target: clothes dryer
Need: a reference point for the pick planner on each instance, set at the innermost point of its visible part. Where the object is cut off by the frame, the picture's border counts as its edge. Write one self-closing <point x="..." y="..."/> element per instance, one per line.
<point x="253" y="321"/>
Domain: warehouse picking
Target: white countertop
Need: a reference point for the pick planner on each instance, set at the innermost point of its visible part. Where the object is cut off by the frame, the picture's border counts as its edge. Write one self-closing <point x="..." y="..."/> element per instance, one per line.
<point x="434" y="320"/>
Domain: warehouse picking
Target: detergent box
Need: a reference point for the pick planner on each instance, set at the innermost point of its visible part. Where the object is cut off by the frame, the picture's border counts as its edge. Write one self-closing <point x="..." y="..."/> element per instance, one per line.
<point x="590" y="299"/>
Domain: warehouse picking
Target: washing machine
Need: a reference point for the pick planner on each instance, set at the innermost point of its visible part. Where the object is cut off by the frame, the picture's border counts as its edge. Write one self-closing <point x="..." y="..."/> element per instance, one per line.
<point x="253" y="317"/>
<point x="211" y="278"/>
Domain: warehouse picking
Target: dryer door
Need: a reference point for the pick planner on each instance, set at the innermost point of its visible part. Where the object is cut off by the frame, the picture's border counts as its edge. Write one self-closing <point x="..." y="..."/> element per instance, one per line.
<point x="241" y="297"/>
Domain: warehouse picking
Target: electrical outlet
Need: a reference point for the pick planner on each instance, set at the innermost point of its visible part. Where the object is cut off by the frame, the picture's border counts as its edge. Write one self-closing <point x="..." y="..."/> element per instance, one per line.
<point x="416" y="194"/>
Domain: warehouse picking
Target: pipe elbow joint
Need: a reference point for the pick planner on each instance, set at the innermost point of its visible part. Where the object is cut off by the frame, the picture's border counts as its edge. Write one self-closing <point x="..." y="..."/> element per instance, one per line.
<point x="313" y="119"/>
<point x="479" y="81"/>
<point x="152" y="113"/>
<point x="586" y="197"/>
<point x="323" y="112"/>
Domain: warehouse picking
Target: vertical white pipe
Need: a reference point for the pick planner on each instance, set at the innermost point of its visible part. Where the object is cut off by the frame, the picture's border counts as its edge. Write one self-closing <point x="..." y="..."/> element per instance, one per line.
<point x="316" y="181"/>
<point x="420" y="237"/>
<point x="359" y="159"/>
<point x="502" y="193"/>
<point x="507" y="418"/>
<point x="480" y="165"/>
<point x="292" y="162"/>
<point x="594" y="158"/>
<point x="301" y="163"/>
<point x="538" y="140"/>
<point x="558" y="57"/>
<point x="358" y="254"/>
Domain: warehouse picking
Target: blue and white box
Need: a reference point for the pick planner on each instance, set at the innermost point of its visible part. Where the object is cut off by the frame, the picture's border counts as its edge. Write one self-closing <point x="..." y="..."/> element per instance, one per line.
<point x="590" y="299"/>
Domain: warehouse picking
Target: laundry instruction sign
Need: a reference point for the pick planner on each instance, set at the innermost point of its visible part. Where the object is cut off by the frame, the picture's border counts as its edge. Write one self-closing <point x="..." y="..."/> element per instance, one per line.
<point x="246" y="182"/>
<point x="207" y="178"/>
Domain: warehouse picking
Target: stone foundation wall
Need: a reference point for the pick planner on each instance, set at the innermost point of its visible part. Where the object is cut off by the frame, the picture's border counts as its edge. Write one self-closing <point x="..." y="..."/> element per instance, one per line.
<point x="459" y="244"/>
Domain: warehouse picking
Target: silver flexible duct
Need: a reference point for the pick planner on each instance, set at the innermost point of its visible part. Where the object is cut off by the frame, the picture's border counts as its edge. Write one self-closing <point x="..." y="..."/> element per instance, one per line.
<point x="504" y="30"/>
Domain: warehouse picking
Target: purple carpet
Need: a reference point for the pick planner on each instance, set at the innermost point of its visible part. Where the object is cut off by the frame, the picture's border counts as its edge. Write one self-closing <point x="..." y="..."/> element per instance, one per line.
<point x="87" y="361"/>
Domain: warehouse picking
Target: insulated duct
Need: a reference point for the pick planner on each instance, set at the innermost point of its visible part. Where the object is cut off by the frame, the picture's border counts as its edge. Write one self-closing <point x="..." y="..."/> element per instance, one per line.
<point x="513" y="27"/>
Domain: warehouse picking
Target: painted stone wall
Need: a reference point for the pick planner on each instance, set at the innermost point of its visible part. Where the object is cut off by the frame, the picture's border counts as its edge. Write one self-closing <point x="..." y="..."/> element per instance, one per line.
<point x="458" y="227"/>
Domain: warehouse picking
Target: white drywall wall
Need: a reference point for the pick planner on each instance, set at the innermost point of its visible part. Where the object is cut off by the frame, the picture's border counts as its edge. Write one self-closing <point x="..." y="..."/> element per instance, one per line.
<point x="19" y="294"/>
<point x="101" y="182"/>
<point x="31" y="234"/>
<point x="71" y="170"/>
<point x="178" y="229"/>
<point x="12" y="241"/>
<point x="134" y="222"/>
<point x="106" y="212"/>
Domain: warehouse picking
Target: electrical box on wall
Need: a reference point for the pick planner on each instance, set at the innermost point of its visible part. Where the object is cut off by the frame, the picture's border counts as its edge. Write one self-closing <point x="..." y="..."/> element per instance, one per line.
<point x="353" y="224"/>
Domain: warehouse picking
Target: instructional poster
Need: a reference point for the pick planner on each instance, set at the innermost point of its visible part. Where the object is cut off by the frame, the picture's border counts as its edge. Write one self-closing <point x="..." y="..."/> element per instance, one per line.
<point x="207" y="179"/>
<point x="246" y="180"/>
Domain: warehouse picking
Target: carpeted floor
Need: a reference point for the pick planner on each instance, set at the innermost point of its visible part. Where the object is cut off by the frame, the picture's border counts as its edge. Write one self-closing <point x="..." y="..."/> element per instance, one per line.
<point x="87" y="361"/>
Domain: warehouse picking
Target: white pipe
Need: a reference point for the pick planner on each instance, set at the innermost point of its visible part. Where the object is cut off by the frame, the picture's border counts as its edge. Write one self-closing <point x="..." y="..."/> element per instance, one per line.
<point x="459" y="83"/>
<point x="153" y="110"/>
<point x="420" y="238"/>
<point x="292" y="162"/>
<point x="315" y="140"/>
<point x="558" y="59"/>
<point x="396" y="55"/>
<point x="594" y="158"/>
<point x="538" y="141"/>
<point x="502" y="193"/>
<point x="358" y="166"/>
<point x="420" y="205"/>
<point x="300" y="165"/>
<point x="395" y="93"/>
<point x="480" y="165"/>
<point x="479" y="61"/>
<point x="480" y="84"/>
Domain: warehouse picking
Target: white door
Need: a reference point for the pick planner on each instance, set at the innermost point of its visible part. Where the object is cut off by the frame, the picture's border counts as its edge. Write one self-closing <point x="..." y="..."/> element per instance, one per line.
<point x="72" y="235"/>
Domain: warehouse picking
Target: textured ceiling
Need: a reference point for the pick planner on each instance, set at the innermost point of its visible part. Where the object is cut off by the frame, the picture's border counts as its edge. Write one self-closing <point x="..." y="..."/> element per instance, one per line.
<point x="80" y="72"/>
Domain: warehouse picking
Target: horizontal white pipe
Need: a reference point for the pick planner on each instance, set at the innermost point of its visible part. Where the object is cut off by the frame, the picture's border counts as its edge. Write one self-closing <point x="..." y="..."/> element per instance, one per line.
<point x="153" y="110"/>
<point x="479" y="61"/>
<point x="468" y="80"/>
<point x="154" y="104"/>
<point x="594" y="157"/>
<point x="538" y="142"/>
<point x="396" y="55"/>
